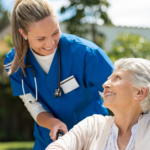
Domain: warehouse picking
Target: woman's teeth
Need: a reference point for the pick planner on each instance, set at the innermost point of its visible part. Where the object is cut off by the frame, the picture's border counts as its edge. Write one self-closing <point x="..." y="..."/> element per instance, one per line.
<point x="110" y="94"/>
<point x="48" y="48"/>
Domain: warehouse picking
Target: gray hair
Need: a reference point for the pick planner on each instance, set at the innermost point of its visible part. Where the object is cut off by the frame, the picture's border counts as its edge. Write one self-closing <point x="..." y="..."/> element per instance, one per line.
<point x="140" y="76"/>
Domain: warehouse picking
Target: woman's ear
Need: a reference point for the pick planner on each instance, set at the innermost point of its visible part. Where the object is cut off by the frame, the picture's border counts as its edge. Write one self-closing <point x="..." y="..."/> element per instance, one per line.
<point x="142" y="93"/>
<point x="22" y="33"/>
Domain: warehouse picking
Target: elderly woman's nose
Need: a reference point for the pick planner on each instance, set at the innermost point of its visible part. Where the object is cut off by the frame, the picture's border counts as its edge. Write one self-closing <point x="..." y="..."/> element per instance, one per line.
<point x="106" y="84"/>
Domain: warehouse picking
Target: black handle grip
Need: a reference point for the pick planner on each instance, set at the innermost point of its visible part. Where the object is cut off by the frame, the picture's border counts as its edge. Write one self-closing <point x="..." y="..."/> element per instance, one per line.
<point x="59" y="134"/>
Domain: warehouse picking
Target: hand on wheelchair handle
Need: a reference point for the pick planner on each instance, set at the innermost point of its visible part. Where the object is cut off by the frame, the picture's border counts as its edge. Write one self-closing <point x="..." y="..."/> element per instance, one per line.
<point x="59" y="134"/>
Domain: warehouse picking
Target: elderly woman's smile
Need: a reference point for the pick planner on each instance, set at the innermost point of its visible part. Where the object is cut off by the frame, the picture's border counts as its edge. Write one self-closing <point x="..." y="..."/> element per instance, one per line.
<point x="108" y="93"/>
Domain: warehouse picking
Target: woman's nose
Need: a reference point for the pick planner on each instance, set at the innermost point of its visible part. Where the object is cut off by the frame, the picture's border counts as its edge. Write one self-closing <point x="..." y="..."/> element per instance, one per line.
<point x="107" y="84"/>
<point x="50" y="43"/>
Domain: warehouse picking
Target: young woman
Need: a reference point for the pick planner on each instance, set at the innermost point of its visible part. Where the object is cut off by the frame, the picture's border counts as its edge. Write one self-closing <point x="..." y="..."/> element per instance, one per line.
<point x="80" y="66"/>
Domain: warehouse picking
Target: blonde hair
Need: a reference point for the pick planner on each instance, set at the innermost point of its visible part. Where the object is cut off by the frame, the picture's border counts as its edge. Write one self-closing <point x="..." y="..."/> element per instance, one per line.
<point x="24" y="13"/>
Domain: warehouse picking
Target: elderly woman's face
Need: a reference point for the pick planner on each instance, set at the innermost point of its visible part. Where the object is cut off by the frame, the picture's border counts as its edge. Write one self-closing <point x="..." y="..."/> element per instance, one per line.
<point x="118" y="90"/>
<point x="43" y="36"/>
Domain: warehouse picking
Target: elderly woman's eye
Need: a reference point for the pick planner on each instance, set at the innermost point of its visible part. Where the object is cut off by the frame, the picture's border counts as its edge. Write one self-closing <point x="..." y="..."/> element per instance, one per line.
<point x="118" y="77"/>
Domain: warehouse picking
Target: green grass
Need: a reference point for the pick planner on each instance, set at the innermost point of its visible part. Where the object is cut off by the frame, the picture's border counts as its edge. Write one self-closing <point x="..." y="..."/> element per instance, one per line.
<point x="16" y="145"/>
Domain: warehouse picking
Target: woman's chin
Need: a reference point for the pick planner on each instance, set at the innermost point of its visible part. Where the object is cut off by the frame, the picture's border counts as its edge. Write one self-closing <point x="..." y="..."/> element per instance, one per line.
<point x="107" y="104"/>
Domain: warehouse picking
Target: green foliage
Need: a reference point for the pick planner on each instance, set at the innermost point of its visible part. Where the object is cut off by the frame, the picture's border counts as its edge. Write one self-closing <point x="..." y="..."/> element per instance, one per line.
<point x="8" y="40"/>
<point x="16" y="146"/>
<point x="86" y="12"/>
<point x="129" y="45"/>
<point x="16" y="123"/>
<point x="4" y="19"/>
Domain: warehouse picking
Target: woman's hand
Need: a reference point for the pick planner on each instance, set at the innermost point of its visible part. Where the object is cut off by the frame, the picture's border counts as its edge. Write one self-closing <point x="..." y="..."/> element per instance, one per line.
<point x="57" y="125"/>
<point x="47" y="120"/>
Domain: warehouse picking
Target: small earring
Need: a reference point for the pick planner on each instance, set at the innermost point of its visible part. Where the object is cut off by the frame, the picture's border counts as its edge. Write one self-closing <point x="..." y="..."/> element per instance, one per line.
<point x="25" y="38"/>
<point x="135" y="97"/>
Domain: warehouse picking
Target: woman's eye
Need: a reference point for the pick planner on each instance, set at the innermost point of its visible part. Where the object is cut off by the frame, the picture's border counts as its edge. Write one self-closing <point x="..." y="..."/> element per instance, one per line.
<point x="118" y="77"/>
<point x="55" y="33"/>
<point x="41" y="39"/>
<point x="115" y="77"/>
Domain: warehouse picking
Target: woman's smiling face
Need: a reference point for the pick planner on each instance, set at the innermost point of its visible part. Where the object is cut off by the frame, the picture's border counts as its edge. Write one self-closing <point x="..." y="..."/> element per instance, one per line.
<point x="118" y="90"/>
<point x="43" y="36"/>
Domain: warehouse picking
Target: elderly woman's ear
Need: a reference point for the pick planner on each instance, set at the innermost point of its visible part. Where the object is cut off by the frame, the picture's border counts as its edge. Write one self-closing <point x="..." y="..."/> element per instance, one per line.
<point x="141" y="94"/>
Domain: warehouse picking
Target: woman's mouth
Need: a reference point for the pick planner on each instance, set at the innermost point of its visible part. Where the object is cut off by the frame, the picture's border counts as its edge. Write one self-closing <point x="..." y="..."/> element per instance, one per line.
<point x="48" y="49"/>
<point x="109" y="94"/>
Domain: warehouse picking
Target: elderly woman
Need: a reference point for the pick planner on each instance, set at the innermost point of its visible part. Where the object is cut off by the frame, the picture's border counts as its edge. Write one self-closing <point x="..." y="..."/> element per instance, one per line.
<point x="127" y="95"/>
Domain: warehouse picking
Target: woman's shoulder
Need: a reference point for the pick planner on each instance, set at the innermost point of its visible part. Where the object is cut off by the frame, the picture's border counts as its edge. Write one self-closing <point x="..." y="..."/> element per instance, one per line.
<point x="100" y="120"/>
<point x="79" y="46"/>
<point x="9" y="56"/>
<point x="70" y="39"/>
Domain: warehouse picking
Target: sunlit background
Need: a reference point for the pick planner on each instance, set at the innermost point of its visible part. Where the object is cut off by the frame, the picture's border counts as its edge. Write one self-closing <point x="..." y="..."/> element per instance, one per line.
<point x="122" y="12"/>
<point x="122" y="29"/>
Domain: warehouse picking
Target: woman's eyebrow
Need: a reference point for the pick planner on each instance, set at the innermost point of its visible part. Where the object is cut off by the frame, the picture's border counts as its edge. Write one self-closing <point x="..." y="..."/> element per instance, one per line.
<point x="114" y="74"/>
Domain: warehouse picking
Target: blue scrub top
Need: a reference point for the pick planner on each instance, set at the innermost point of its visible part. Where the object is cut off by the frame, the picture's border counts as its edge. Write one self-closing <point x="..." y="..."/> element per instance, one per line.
<point x="90" y="66"/>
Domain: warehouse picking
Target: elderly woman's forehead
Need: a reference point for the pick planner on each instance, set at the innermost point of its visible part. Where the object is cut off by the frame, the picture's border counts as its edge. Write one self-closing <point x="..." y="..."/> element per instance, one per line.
<point x="121" y="72"/>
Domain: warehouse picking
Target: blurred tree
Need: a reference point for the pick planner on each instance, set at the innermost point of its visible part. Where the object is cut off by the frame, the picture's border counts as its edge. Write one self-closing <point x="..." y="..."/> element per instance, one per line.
<point x="4" y="19"/>
<point x="8" y="40"/>
<point x="87" y="12"/>
<point x="16" y="124"/>
<point x="129" y="45"/>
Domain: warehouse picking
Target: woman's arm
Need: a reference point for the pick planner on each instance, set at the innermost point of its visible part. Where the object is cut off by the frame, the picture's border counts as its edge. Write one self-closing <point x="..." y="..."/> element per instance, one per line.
<point x="80" y="137"/>
<point x="47" y="120"/>
<point x="43" y="117"/>
<point x="33" y="108"/>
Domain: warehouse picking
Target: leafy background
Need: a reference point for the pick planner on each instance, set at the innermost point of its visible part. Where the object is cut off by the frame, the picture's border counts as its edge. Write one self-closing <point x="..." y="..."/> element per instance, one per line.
<point x="16" y="123"/>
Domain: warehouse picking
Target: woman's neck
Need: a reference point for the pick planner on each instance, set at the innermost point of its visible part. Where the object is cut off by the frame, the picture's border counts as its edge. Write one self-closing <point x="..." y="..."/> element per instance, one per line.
<point x="125" y="121"/>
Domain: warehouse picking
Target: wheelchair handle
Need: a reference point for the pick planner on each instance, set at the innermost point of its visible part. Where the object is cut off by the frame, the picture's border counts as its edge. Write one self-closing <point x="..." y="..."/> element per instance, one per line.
<point x="59" y="134"/>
